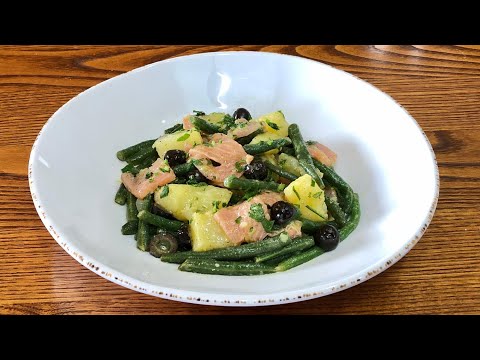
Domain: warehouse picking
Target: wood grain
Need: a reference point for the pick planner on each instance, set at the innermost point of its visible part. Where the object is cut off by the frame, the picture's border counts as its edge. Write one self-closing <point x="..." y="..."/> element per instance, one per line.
<point x="438" y="85"/>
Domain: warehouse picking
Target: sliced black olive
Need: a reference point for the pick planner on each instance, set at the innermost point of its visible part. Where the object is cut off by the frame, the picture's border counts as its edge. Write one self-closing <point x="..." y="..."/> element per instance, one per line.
<point x="327" y="237"/>
<point x="195" y="176"/>
<point x="175" y="157"/>
<point x="184" y="242"/>
<point x="242" y="113"/>
<point x="163" y="243"/>
<point x="256" y="170"/>
<point x="157" y="210"/>
<point x="282" y="212"/>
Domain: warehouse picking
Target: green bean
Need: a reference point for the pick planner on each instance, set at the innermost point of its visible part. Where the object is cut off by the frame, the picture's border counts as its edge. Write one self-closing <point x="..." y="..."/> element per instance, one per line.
<point x="204" y="126"/>
<point x="130" y="227"/>
<point x="232" y="182"/>
<point x="148" y="161"/>
<point x="161" y="222"/>
<point x="174" y="128"/>
<point x="337" y="182"/>
<point x="141" y="155"/>
<point x="246" y="139"/>
<point x="283" y="173"/>
<point x="264" y="146"/>
<point x="129" y="151"/>
<point x="233" y="253"/>
<point x="298" y="244"/>
<point x="353" y="219"/>
<point x="299" y="259"/>
<point x="183" y="169"/>
<point x="131" y="169"/>
<point x="143" y="232"/>
<point x="309" y="226"/>
<point x="121" y="195"/>
<point x="302" y="154"/>
<point x="277" y="260"/>
<point x="336" y="211"/>
<point x="131" y="207"/>
<point x="288" y="150"/>
<point x="232" y="268"/>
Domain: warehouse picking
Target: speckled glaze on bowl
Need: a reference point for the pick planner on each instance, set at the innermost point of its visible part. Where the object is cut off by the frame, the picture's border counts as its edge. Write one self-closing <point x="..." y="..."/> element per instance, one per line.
<point x="74" y="174"/>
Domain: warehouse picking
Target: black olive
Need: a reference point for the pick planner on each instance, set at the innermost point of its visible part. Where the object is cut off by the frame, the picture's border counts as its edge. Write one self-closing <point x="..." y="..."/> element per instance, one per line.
<point x="327" y="237"/>
<point x="157" y="210"/>
<point x="282" y="212"/>
<point x="163" y="243"/>
<point x="256" y="170"/>
<point x="183" y="238"/>
<point x="195" y="176"/>
<point x="175" y="157"/>
<point x="242" y="113"/>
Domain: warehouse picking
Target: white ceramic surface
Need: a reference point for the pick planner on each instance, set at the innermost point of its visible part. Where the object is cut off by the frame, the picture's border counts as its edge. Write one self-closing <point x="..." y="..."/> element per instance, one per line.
<point x="74" y="173"/>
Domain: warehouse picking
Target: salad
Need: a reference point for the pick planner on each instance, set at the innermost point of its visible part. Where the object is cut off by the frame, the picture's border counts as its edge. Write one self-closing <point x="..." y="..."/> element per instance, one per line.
<point x="235" y="195"/>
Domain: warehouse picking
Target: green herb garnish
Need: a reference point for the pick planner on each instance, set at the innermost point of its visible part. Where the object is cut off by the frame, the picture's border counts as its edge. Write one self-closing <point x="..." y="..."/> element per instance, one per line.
<point x="314" y="211"/>
<point x="240" y="165"/>
<point x="272" y="125"/>
<point x="164" y="191"/>
<point x="184" y="137"/>
<point x="296" y="193"/>
<point x="257" y="214"/>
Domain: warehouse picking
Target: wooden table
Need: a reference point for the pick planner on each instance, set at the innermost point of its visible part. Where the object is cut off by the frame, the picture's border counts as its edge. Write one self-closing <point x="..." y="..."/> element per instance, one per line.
<point x="438" y="85"/>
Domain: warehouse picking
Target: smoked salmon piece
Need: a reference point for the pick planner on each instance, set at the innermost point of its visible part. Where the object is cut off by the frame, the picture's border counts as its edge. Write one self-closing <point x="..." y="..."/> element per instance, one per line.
<point x="187" y="125"/>
<point x="322" y="153"/>
<point x="244" y="128"/>
<point x="238" y="225"/>
<point x="147" y="180"/>
<point x="224" y="151"/>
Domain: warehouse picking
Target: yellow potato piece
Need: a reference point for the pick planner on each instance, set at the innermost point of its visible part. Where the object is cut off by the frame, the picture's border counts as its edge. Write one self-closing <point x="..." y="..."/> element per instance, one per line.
<point x="310" y="199"/>
<point x="274" y="123"/>
<point x="182" y="200"/>
<point x="206" y="233"/>
<point x="181" y="140"/>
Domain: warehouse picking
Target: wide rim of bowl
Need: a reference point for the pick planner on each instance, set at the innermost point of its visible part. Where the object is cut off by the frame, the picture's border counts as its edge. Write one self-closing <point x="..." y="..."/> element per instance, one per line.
<point x="218" y="299"/>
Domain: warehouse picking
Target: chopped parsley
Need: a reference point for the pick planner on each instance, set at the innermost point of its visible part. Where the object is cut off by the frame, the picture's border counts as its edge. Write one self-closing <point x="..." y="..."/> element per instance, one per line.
<point x="272" y="125"/>
<point x="184" y="137"/>
<point x="317" y="195"/>
<point x="296" y="193"/>
<point x="196" y="162"/>
<point x="164" y="191"/>
<point x="238" y="220"/>
<point x="240" y="165"/>
<point x="216" y="205"/>
<point x="312" y="184"/>
<point x="199" y="184"/>
<point x="257" y="214"/>
<point x="148" y="175"/>
<point x="314" y="211"/>
<point x="164" y="169"/>
<point x="228" y="121"/>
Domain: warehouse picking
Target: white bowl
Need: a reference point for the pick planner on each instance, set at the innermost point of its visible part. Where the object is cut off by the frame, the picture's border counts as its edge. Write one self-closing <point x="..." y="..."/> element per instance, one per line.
<point x="382" y="153"/>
